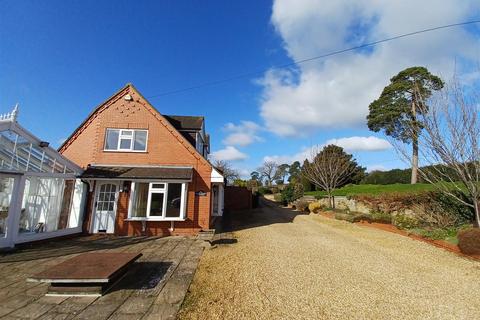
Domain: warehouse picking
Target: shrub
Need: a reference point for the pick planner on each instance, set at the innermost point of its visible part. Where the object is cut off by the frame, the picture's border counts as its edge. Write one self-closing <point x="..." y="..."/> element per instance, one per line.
<point x="435" y="234"/>
<point x="403" y="221"/>
<point x="298" y="191"/>
<point x="264" y="190"/>
<point x="362" y="217"/>
<point x="287" y="194"/>
<point x="277" y="197"/>
<point x="343" y="216"/>
<point x="301" y="205"/>
<point x="315" y="207"/>
<point x="381" y="217"/>
<point x="469" y="241"/>
<point x="452" y="211"/>
<point x="292" y="192"/>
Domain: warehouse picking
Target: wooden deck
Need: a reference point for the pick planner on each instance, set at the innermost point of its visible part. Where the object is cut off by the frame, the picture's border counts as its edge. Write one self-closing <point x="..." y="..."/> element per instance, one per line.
<point x="153" y="288"/>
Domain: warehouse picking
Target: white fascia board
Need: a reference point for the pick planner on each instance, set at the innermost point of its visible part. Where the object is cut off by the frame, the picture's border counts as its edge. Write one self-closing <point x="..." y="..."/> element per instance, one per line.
<point x="216" y="176"/>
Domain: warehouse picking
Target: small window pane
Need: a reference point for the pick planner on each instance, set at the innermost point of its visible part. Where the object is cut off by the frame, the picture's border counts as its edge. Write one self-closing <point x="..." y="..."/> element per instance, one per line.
<point x="125" y="144"/>
<point x="139" y="207"/>
<point x="111" y="140"/>
<point x="126" y="133"/>
<point x="174" y="200"/>
<point x="140" y="142"/>
<point x="158" y="186"/>
<point x="156" y="204"/>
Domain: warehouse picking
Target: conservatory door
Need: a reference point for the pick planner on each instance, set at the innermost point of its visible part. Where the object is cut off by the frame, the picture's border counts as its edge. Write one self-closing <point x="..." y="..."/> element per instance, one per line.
<point x="105" y="207"/>
<point x="7" y="219"/>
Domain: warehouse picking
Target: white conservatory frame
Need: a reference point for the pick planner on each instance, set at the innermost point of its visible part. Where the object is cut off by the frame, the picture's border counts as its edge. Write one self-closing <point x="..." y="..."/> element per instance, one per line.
<point x="27" y="158"/>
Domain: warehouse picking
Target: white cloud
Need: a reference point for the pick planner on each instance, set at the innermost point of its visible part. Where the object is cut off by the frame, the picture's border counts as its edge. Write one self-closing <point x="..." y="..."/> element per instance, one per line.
<point x="243" y="134"/>
<point x="304" y="153"/>
<point x="350" y="144"/>
<point x="229" y="153"/>
<point x="361" y="143"/>
<point x="336" y="91"/>
<point x="376" y="167"/>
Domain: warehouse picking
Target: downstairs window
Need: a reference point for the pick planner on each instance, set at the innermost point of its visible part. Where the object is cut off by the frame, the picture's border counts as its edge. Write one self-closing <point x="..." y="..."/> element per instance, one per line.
<point x="158" y="201"/>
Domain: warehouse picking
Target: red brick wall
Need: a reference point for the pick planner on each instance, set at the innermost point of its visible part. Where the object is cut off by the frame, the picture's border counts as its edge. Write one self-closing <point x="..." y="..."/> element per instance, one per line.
<point x="165" y="146"/>
<point x="237" y="198"/>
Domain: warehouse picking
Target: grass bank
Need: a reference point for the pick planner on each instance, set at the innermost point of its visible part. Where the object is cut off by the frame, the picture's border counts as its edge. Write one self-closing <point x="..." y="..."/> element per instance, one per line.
<point x="376" y="189"/>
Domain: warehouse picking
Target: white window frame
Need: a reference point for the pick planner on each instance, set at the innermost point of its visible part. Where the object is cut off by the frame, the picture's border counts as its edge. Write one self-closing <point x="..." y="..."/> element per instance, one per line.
<point x="164" y="190"/>
<point x="121" y="136"/>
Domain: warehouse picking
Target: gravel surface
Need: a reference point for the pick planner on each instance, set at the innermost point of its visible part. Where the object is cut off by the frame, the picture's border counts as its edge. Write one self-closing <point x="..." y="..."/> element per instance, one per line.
<point x="311" y="267"/>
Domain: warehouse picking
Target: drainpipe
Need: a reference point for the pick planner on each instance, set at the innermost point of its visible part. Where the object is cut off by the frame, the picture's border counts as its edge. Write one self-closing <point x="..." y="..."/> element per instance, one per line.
<point x="172" y="226"/>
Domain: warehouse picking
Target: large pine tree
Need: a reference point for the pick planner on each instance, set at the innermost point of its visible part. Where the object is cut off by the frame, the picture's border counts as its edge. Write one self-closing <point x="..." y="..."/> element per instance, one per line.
<point x="395" y="111"/>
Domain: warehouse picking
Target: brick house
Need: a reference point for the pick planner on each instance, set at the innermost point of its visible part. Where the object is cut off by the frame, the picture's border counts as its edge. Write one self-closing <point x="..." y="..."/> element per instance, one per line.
<point x="147" y="173"/>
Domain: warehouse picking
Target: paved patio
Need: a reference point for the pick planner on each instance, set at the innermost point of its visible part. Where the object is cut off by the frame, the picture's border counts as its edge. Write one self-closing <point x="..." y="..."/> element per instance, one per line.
<point x="154" y="288"/>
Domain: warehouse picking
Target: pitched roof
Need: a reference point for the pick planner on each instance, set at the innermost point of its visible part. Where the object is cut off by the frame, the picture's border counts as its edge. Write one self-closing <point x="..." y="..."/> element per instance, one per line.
<point x="186" y="122"/>
<point x="138" y="172"/>
<point x="166" y="122"/>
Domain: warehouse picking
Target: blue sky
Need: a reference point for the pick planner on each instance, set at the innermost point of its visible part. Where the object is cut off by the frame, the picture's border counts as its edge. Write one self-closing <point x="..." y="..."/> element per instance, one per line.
<point x="59" y="59"/>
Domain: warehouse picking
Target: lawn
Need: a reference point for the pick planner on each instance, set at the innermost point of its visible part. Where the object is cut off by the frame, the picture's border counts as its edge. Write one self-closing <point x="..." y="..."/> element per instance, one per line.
<point x="375" y="189"/>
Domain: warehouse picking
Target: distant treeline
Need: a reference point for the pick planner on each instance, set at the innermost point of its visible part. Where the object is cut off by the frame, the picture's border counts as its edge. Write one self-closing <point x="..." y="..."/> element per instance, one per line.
<point x="388" y="177"/>
<point x="401" y="176"/>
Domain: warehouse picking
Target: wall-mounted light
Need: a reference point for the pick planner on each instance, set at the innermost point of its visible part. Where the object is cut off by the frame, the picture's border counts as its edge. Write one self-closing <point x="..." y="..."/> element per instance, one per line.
<point x="125" y="186"/>
<point x="128" y="97"/>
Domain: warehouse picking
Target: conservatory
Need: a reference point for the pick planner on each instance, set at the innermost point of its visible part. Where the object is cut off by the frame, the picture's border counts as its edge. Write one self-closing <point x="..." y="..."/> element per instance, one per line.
<point x="40" y="195"/>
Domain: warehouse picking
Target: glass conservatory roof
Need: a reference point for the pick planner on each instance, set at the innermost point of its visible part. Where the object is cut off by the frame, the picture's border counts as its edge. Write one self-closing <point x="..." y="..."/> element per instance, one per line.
<point x="20" y="151"/>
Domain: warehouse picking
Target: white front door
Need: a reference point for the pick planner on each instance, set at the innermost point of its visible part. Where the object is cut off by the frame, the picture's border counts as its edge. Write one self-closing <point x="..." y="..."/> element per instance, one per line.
<point x="105" y="207"/>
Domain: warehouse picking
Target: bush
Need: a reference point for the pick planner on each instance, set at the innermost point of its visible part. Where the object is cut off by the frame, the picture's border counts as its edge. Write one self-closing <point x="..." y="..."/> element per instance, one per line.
<point x="277" y="197"/>
<point x="315" y="207"/>
<point x="298" y="191"/>
<point x="292" y="192"/>
<point x="264" y="190"/>
<point x="343" y="216"/>
<point x="436" y="234"/>
<point x="301" y="205"/>
<point x="381" y="217"/>
<point x="403" y="221"/>
<point x="362" y="217"/>
<point x="469" y="241"/>
<point x="287" y="194"/>
<point x="450" y="208"/>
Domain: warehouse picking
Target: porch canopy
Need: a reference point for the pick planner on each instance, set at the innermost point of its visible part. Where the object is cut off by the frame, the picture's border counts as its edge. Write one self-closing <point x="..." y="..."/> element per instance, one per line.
<point x="156" y="193"/>
<point x="168" y="173"/>
<point x="40" y="195"/>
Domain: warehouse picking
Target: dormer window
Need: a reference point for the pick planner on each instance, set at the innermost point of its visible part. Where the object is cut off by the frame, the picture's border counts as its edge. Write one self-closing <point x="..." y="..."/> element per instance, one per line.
<point x="127" y="140"/>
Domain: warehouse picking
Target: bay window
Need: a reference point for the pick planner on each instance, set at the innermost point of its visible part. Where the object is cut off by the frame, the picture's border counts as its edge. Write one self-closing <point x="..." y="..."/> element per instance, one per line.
<point x="126" y="140"/>
<point x="158" y="201"/>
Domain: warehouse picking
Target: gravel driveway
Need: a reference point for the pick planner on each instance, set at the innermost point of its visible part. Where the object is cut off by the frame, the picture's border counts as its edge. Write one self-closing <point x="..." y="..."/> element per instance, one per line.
<point x="288" y="266"/>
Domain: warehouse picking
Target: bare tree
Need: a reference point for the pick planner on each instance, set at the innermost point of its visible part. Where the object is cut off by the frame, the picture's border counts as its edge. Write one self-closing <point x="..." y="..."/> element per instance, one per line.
<point x="450" y="145"/>
<point x="330" y="168"/>
<point x="267" y="171"/>
<point x="229" y="173"/>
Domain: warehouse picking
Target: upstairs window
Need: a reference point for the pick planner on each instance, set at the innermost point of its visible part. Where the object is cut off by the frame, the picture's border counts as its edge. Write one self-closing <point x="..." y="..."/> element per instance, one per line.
<point x="126" y="140"/>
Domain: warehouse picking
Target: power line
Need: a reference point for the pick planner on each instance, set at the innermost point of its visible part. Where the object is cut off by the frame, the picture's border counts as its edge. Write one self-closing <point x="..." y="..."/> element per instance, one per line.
<point x="253" y="73"/>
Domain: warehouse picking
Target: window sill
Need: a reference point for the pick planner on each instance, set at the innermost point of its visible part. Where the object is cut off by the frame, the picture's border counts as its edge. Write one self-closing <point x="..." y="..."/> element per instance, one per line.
<point x="126" y="151"/>
<point x="155" y="219"/>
